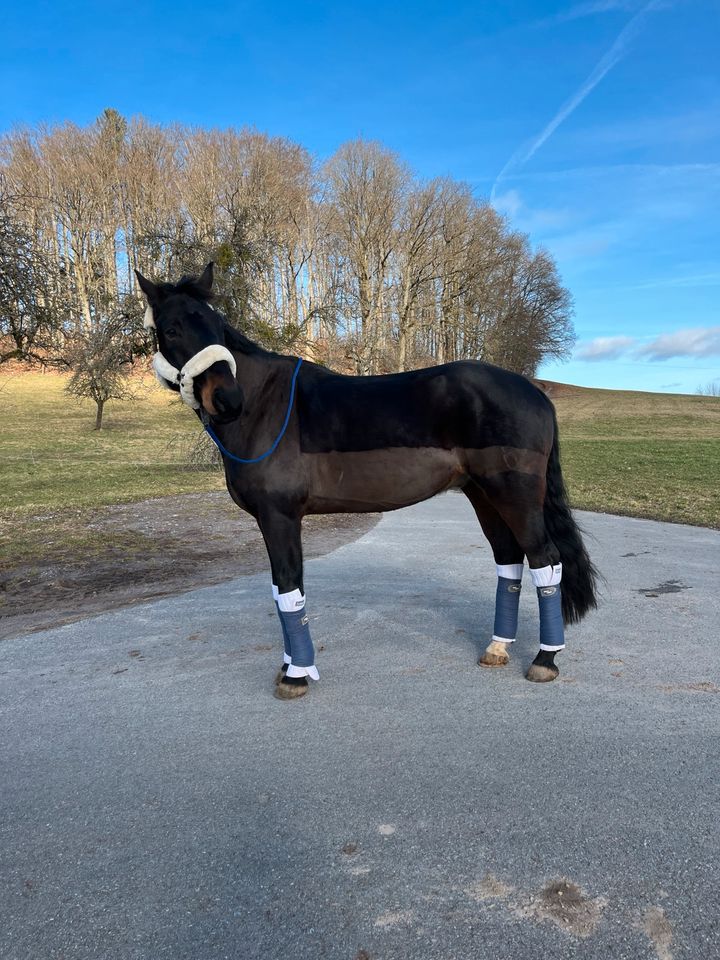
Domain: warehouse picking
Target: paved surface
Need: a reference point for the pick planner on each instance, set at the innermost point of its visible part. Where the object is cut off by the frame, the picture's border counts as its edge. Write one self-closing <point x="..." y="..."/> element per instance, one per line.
<point x="162" y="804"/>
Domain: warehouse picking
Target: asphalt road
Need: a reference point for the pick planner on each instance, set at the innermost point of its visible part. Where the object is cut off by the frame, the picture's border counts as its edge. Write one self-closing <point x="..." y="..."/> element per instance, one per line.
<point x="157" y="802"/>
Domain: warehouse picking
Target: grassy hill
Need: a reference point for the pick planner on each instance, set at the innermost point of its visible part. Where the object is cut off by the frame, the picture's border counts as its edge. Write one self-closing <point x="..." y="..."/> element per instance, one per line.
<point x="641" y="454"/>
<point x="653" y="455"/>
<point x="51" y="458"/>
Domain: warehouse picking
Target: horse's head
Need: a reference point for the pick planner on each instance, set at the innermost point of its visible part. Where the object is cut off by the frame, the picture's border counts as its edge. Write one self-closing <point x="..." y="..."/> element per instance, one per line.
<point x="192" y="356"/>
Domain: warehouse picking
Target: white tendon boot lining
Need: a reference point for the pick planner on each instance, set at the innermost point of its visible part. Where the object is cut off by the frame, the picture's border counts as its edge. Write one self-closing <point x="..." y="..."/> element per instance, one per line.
<point x="547" y="576"/>
<point x="510" y="571"/>
<point x="290" y="602"/>
<point x="312" y="672"/>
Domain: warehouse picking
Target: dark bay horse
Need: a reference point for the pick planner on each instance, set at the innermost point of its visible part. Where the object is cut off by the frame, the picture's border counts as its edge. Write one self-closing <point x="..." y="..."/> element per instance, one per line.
<point x="369" y="444"/>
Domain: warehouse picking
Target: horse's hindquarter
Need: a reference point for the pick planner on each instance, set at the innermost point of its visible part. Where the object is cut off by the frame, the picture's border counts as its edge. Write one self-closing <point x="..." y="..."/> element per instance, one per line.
<point x="378" y="443"/>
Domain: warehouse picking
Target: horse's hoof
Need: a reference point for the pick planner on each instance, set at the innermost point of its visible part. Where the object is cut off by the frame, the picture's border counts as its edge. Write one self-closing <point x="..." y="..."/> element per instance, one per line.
<point x="495" y="655"/>
<point x="540" y="674"/>
<point x="493" y="660"/>
<point x="290" y="688"/>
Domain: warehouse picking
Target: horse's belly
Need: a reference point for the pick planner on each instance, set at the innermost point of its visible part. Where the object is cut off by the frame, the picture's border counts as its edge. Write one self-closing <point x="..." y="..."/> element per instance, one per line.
<point x="373" y="480"/>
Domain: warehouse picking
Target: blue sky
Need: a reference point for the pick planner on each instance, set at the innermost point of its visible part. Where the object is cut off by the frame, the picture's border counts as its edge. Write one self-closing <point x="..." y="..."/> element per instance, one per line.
<point x="594" y="125"/>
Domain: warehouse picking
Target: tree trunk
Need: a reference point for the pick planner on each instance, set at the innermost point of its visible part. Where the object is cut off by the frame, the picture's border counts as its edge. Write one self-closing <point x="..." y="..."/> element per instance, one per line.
<point x="402" y="350"/>
<point x="98" y="415"/>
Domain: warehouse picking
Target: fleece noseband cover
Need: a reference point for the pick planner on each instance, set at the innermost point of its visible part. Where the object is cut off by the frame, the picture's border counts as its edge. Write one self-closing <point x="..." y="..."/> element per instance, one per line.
<point x="167" y="374"/>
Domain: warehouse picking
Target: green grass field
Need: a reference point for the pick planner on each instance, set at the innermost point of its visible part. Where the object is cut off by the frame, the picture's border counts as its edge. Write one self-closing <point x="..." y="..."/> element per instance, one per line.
<point x="652" y="455"/>
<point x="52" y="459"/>
<point x="641" y="454"/>
<point x="55" y="468"/>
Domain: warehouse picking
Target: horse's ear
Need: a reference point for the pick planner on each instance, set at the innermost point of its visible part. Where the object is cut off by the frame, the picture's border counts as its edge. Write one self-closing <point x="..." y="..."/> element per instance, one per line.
<point x="152" y="295"/>
<point x="148" y="288"/>
<point x="205" y="280"/>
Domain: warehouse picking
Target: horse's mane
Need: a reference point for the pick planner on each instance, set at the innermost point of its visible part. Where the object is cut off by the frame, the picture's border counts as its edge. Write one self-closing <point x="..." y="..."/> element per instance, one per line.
<point x="238" y="341"/>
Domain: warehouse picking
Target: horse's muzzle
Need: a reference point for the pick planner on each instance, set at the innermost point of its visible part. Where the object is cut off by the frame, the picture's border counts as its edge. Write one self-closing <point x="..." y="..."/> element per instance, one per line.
<point x="218" y="392"/>
<point x="227" y="402"/>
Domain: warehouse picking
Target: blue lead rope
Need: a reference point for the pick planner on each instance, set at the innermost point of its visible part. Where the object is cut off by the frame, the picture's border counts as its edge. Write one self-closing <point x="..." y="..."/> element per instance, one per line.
<point x="231" y="456"/>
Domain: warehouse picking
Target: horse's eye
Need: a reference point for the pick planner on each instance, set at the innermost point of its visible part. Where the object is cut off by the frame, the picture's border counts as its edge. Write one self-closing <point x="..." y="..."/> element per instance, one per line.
<point x="172" y="332"/>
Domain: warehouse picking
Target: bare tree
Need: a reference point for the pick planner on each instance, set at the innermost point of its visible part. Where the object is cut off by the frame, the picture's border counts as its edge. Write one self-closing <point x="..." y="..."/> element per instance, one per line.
<point x="26" y="316"/>
<point x="416" y="260"/>
<point x="101" y="362"/>
<point x="711" y="389"/>
<point x="366" y="184"/>
<point x="355" y="262"/>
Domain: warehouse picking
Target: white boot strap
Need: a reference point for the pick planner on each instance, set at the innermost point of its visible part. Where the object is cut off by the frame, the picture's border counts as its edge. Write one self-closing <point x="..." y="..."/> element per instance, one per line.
<point x="312" y="672"/>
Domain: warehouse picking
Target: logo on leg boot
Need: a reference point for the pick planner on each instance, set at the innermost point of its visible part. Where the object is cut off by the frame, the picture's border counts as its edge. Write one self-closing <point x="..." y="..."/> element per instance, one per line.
<point x="548" y="591"/>
<point x="304" y="620"/>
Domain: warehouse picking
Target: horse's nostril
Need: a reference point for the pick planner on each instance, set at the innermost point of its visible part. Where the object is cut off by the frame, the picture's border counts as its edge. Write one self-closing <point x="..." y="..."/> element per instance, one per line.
<point x="220" y="402"/>
<point x="227" y="403"/>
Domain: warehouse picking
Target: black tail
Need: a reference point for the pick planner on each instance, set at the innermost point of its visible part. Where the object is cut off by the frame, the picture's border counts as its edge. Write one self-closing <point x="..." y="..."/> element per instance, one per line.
<point x="579" y="576"/>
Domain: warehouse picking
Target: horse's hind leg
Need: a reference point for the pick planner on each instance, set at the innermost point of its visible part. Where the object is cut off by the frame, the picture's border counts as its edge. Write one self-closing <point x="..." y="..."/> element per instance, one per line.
<point x="519" y="499"/>
<point x="509" y="559"/>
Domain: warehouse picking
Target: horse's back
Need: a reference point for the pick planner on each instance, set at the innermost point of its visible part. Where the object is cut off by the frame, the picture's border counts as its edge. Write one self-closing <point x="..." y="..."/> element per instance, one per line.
<point x="467" y="404"/>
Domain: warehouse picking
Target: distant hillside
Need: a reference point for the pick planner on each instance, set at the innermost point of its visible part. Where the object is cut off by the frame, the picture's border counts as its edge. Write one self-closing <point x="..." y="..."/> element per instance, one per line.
<point x="651" y="455"/>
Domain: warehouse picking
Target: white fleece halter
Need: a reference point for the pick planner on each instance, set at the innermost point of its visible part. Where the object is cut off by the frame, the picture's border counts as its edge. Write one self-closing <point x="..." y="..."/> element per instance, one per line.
<point x="167" y="374"/>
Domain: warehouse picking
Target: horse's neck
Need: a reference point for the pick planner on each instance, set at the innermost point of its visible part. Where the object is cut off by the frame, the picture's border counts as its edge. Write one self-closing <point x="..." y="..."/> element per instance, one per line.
<point x="257" y="374"/>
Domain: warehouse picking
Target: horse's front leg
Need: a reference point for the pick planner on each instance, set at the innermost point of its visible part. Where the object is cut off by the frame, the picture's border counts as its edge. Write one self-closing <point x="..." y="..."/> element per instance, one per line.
<point x="282" y="534"/>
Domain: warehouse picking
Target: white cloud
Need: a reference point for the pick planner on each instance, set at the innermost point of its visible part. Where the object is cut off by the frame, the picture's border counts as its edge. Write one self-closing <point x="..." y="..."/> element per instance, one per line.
<point x="699" y="342"/>
<point x="529" y="220"/>
<point x="692" y="126"/>
<point x="586" y="244"/>
<point x="711" y="279"/>
<point x="508" y="203"/>
<point x="605" y="348"/>
<point x="696" y="342"/>
<point x="680" y="171"/>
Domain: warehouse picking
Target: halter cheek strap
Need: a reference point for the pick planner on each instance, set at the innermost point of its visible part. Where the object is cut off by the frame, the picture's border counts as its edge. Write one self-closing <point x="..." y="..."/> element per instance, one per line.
<point x="167" y="374"/>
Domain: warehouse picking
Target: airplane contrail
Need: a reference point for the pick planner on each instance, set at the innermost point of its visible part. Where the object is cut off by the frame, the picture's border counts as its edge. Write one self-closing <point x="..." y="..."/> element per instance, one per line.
<point x="608" y="61"/>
